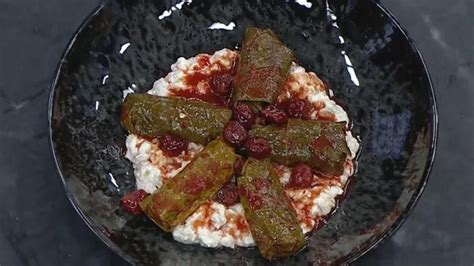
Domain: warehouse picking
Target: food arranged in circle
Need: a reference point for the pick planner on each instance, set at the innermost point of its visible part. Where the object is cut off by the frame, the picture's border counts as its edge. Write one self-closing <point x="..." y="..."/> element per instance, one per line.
<point x="239" y="148"/>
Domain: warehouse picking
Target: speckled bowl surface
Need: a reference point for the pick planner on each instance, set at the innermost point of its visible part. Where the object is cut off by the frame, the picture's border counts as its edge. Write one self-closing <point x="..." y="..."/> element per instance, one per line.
<point x="357" y="47"/>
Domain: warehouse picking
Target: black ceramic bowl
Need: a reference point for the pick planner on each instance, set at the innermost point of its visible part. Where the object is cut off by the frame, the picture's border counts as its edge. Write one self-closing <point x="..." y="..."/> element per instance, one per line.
<point x="357" y="47"/>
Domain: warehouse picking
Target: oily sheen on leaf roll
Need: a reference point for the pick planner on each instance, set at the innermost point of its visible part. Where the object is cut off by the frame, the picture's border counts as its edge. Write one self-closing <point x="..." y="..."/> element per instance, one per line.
<point x="321" y="145"/>
<point x="150" y="116"/>
<point x="271" y="218"/>
<point x="196" y="183"/>
<point x="263" y="67"/>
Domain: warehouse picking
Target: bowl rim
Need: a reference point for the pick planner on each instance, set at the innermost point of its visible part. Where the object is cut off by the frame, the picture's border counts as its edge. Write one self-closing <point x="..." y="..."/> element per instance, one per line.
<point x="88" y="221"/>
<point x="432" y="152"/>
<point x="349" y="258"/>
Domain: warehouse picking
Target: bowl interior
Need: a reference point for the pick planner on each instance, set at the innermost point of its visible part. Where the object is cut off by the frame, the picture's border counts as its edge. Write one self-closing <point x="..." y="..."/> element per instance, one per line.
<point x="355" y="46"/>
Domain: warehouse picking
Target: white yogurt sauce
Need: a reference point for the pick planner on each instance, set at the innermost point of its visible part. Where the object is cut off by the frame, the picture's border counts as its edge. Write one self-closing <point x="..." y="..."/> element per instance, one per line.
<point x="213" y="224"/>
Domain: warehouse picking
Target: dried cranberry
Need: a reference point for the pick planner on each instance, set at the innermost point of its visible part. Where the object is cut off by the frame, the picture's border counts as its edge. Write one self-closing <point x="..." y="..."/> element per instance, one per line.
<point x="238" y="165"/>
<point x="243" y="114"/>
<point x="235" y="134"/>
<point x="130" y="202"/>
<point x="274" y="115"/>
<point x="258" y="148"/>
<point x="228" y="195"/>
<point x="301" y="176"/>
<point x="172" y="145"/>
<point x="282" y="104"/>
<point x="221" y="84"/>
<point x="299" y="109"/>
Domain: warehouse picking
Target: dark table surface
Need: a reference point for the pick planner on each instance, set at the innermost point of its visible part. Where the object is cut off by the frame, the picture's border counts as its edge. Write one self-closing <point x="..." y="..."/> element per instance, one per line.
<point x="38" y="225"/>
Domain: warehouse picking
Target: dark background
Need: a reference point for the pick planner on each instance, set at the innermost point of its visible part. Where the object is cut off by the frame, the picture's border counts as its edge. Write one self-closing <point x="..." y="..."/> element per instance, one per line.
<point x="38" y="225"/>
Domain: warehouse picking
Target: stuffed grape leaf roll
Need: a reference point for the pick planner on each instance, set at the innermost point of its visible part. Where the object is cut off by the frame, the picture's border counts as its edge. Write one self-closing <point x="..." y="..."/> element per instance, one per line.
<point x="263" y="67"/>
<point x="321" y="145"/>
<point x="196" y="183"/>
<point x="150" y="116"/>
<point x="271" y="218"/>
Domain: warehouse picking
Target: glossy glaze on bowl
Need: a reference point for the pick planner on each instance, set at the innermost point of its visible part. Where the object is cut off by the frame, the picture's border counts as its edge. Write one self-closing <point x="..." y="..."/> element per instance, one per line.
<point x="355" y="46"/>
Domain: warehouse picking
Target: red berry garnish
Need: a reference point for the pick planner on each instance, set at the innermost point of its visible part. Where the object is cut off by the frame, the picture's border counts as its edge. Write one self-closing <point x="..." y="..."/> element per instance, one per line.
<point x="274" y="115"/>
<point x="243" y="114"/>
<point x="235" y="134"/>
<point x="221" y="84"/>
<point x="172" y="145"/>
<point x="301" y="176"/>
<point x="228" y="194"/>
<point x="299" y="109"/>
<point x="131" y="201"/>
<point x="254" y="200"/>
<point x="258" y="148"/>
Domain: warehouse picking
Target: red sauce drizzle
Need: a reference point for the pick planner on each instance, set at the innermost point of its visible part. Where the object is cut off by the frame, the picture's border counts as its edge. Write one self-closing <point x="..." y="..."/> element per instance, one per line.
<point x="321" y="143"/>
<point x="319" y="105"/>
<point x="147" y="138"/>
<point x="175" y="164"/>
<point x="260" y="184"/>
<point x="307" y="222"/>
<point x="203" y="61"/>
<point x="205" y="220"/>
<point x="163" y="203"/>
<point x="242" y="225"/>
<point x="284" y="100"/>
<point x="254" y="200"/>
<point x="193" y="79"/>
<point x="326" y="117"/>
<point x="195" y="185"/>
